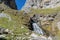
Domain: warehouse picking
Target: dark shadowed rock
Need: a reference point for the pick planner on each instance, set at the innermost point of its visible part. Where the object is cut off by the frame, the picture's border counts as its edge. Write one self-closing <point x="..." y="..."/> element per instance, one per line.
<point x="4" y="31"/>
<point x="1" y="9"/>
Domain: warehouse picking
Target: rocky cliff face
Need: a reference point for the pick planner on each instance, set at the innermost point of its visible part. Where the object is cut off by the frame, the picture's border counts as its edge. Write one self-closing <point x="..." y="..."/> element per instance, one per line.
<point x="42" y="4"/>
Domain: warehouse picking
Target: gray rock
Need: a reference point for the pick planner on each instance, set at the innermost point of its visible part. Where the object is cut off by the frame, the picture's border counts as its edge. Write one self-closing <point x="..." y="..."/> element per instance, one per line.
<point x="5" y="15"/>
<point x="58" y="25"/>
<point x="36" y="4"/>
<point x="41" y="38"/>
<point x="4" y="31"/>
<point x="2" y="36"/>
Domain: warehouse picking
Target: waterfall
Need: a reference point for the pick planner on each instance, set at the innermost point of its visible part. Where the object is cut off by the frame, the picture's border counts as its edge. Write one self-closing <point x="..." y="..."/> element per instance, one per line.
<point x="37" y="29"/>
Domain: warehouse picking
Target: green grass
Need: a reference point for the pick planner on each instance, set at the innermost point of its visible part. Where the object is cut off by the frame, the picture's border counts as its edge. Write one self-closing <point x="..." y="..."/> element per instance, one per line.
<point x="46" y="11"/>
<point x="14" y="25"/>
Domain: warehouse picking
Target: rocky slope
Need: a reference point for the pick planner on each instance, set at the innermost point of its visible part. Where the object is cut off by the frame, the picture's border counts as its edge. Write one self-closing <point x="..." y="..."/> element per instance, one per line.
<point x="41" y="4"/>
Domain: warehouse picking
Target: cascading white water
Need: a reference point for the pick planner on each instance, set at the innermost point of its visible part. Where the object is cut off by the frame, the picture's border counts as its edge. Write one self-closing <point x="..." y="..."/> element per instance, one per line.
<point x="37" y="29"/>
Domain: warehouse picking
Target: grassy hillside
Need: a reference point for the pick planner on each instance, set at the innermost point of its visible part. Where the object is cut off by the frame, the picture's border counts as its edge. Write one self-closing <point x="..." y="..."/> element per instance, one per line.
<point x="18" y="19"/>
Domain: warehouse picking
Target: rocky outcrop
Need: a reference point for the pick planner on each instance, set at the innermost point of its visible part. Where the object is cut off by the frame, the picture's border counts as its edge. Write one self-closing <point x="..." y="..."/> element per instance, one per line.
<point x="41" y="4"/>
<point x="51" y="4"/>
